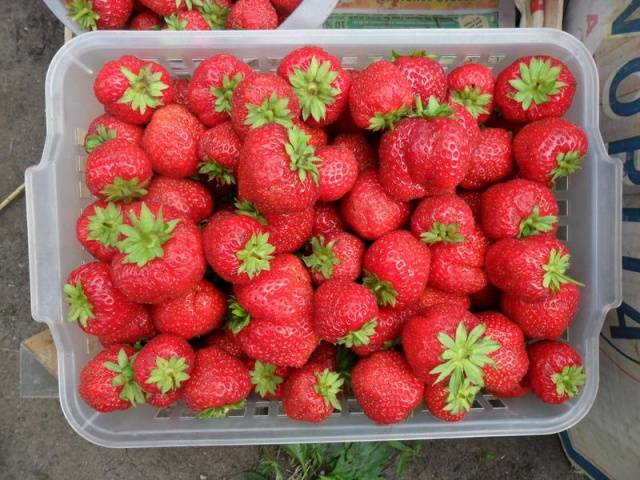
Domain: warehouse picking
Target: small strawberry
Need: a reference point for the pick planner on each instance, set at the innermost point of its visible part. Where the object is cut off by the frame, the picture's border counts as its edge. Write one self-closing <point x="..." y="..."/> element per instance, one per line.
<point x="285" y="7"/>
<point x="447" y="405"/>
<point x="168" y="7"/>
<point x="385" y="387"/>
<point x="98" y="229"/>
<point x="138" y="328"/>
<point x="380" y="96"/>
<point x="369" y="211"/>
<point x="252" y="15"/>
<point x="163" y="365"/>
<point x="267" y="378"/>
<point x="145" y="20"/>
<point x="225" y="340"/>
<point x="311" y="393"/>
<point x="443" y="218"/>
<point x="171" y="141"/>
<point x="187" y="20"/>
<point x="194" y="314"/>
<point x="396" y="269"/>
<point x="328" y="219"/>
<point x="215" y="12"/>
<point x="471" y="85"/>
<point x="345" y="313"/>
<point x="219" y="152"/>
<point x="106" y="381"/>
<point x="100" y="14"/>
<point x="107" y="127"/>
<point x="424" y="73"/>
<point x="556" y="373"/>
<point x="219" y="383"/>
<point x="325" y="354"/>
<point x="319" y="81"/>
<point x="118" y="171"/>
<point x="532" y="88"/>
<point x="164" y="400"/>
<point x="190" y="199"/>
<point x="358" y="144"/>
<point x="338" y="172"/>
<point x="549" y="149"/>
<point x="532" y="268"/>
<point x="131" y="89"/>
<point x="491" y="159"/>
<point x="317" y="135"/>
<point x="432" y="296"/>
<point x="546" y="318"/>
<point x="389" y="328"/>
<point x="338" y="256"/>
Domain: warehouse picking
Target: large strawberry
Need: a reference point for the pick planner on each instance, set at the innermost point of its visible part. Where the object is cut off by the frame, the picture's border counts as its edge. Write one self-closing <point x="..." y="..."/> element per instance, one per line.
<point x="432" y="296"/>
<point x="491" y="159"/>
<point x="556" y="373"/>
<point x="278" y="170"/>
<point x="396" y="269"/>
<point x="131" y="89"/>
<point x="195" y="313"/>
<point x="215" y="12"/>
<point x="472" y="85"/>
<point x="107" y="127"/>
<point x="447" y="404"/>
<point x="358" y="144"/>
<point x="163" y="364"/>
<point x="98" y="229"/>
<point x="100" y="14"/>
<point x="106" y="381"/>
<point x="546" y="318"/>
<point x="328" y="219"/>
<point x="338" y="256"/>
<point x="160" y="255"/>
<point x="549" y="149"/>
<point x="219" y="383"/>
<point x="380" y="96"/>
<point x="171" y="141"/>
<point x="531" y="268"/>
<point x="187" y="20"/>
<point x="136" y="329"/>
<point x="443" y="218"/>
<point x="190" y="199"/>
<point x="426" y="76"/>
<point x="310" y="393"/>
<point x="388" y="330"/>
<point x="337" y="174"/>
<point x="252" y="15"/>
<point x="267" y="378"/>
<point x="536" y="87"/>
<point x="369" y="211"/>
<point x="118" y="171"/>
<point x="219" y="152"/>
<point x="212" y="86"/>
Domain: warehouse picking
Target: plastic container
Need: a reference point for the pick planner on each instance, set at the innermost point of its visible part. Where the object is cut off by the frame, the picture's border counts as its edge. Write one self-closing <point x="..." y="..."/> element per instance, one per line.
<point x="590" y="205"/>
<point x="310" y="14"/>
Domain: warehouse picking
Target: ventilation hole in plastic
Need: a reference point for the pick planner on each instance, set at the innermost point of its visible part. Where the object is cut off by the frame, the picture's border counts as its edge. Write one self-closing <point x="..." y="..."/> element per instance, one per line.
<point x="252" y="62"/>
<point x="238" y="413"/>
<point x="281" y="410"/>
<point x="163" y="413"/>
<point x="354" y="407"/>
<point x="563" y="208"/>
<point x="496" y="403"/>
<point x="176" y="63"/>
<point x="562" y="184"/>
<point x="273" y="62"/>
<point x="186" y="413"/>
<point x="471" y="59"/>
<point x="495" y="59"/>
<point x="447" y="59"/>
<point x="261" y="410"/>
<point x="562" y="233"/>
<point x="349" y="62"/>
<point x="477" y="405"/>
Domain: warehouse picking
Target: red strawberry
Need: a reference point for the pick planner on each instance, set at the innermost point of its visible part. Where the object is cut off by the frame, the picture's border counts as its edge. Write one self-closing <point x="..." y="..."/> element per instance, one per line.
<point x="287" y="180"/>
<point x="380" y="96"/>
<point x="467" y="122"/>
<point x="267" y="378"/>
<point x="388" y="330"/>
<point x="171" y="141"/>
<point x="472" y="198"/>
<point x="326" y="355"/>
<point x="319" y="81"/>
<point x="106" y="381"/>
<point x="345" y="313"/>
<point x="443" y="218"/>
<point x="227" y="341"/>
<point x="181" y="89"/>
<point x="98" y="229"/>
<point x="167" y="7"/>
<point x="471" y="85"/>
<point x="546" y="318"/>
<point x="164" y="400"/>
<point x="118" y="171"/>
<point x="328" y="219"/>
<point x="396" y="269"/>
<point x="338" y="172"/>
<point x="107" y="127"/>
<point x="432" y="296"/>
<point x="94" y="302"/>
<point x="556" y="373"/>
<point x="190" y="199"/>
<point x="138" y="328"/>
<point x="310" y="393"/>
<point x="219" y="383"/>
<point x="531" y="268"/>
<point x="215" y="12"/>
<point x="131" y="89"/>
<point x="369" y="211"/>
<point x="516" y="392"/>
<point x="160" y="255"/>
<point x="236" y="246"/>
<point x="358" y="144"/>
<point x="285" y="7"/>
<point x="212" y="86"/>
<point x="385" y="387"/>
<point x="532" y="88"/>
<point x="261" y="99"/>
<point x="518" y="208"/>
<point x="338" y="256"/>
<point x="425" y="74"/>
<point x="252" y="15"/>
<point x="448" y="406"/>
<point x="491" y="159"/>
<point x="317" y="135"/>
<point x="549" y="149"/>
<point x="196" y="313"/>
<point x="163" y="364"/>
<point x="145" y="20"/>
<point x="100" y="14"/>
<point x="187" y="20"/>
<point x="219" y="152"/>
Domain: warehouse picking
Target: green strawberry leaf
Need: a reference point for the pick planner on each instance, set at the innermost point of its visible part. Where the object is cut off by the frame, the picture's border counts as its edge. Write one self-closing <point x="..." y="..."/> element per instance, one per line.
<point x="104" y="225"/>
<point x="145" y="89"/>
<point x="80" y="308"/>
<point x="384" y="290"/>
<point x="314" y="88"/>
<point x="256" y="255"/>
<point x="535" y="224"/>
<point x="224" y="93"/>
<point x="264" y="377"/>
<point x="169" y="374"/>
<point x="555" y="269"/>
<point x="101" y="136"/>
<point x="329" y="386"/>
<point x="537" y="82"/>
<point x="322" y="258"/>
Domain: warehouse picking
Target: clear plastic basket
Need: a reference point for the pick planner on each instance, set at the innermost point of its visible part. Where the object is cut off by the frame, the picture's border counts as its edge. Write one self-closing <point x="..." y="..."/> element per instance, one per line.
<point x="590" y="204"/>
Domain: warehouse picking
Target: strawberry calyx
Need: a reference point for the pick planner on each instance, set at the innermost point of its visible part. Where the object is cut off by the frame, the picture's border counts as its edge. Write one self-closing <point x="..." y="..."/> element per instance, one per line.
<point x="214" y="171"/>
<point x="433" y="109"/>
<point x="245" y="207"/>
<point x="188" y="3"/>
<point x="568" y="162"/>
<point x="569" y="380"/>
<point x="535" y="224"/>
<point x="302" y="155"/>
<point x="222" y="411"/>
<point x="214" y="14"/>
<point x="104" y="225"/>
<point x="359" y="337"/>
<point x="256" y="255"/>
<point x="176" y="23"/>
<point x="121" y="190"/>
<point x="81" y="12"/>
<point x="238" y="317"/>
<point x="536" y="83"/>
<point x="472" y="99"/>
<point x="271" y="110"/>
<point x="329" y="386"/>
<point x="224" y="92"/>
<point x="145" y="89"/>
<point x="461" y="400"/>
<point x="313" y="87"/>
<point x="555" y="269"/>
<point x="322" y="258"/>
<point x="387" y="120"/>
<point x="384" y="290"/>
<point x="442" y="232"/>
<point x="414" y="53"/>
<point x="131" y="391"/>
<point x="101" y="136"/>
<point x="169" y="374"/>
<point x="145" y="236"/>
<point x="264" y="377"/>
<point x="80" y="308"/>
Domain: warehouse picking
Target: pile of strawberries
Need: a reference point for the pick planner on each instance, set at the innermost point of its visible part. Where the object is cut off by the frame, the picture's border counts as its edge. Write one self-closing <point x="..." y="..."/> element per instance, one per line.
<point x="180" y="14"/>
<point x="316" y="231"/>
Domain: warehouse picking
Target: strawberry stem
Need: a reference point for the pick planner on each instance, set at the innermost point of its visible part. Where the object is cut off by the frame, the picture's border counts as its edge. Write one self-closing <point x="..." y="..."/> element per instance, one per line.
<point x="434" y="109"/>
<point x="245" y="207"/>
<point x="239" y="318"/>
<point x="80" y="308"/>
<point x="104" y="225"/>
<point x="555" y="270"/>
<point x="216" y="172"/>
<point x="224" y="93"/>
<point x="383" y="290"/>
<point x="387" y="120"/>
<point x="313" y="87"/>
<point x="169" y="374"/>
<point x="264" y="377"/>
<point x="131" y="391"/>
<point x="145" y="89"/>
<point x="569" y="380"/>
<point x="122" y="190"/>
<point x="302" y="155"/>
<point x="81" y="12"/>
<point x="535" y="224"/>
<point x="362" y="336"/>
<point x="322" y="258"/>
<point x="461" y="400"/>
<point x="329" y="386"/>
<point x="568" y="162"/>
<point x="442" y="232"/>
<point x="101" y="136"/>
<point x="214" y="14"/>
<point x="271" y="110"/>
<point x="256" y="255"/>
<point x="222" y="411"/>
<point x="537" y="82"/>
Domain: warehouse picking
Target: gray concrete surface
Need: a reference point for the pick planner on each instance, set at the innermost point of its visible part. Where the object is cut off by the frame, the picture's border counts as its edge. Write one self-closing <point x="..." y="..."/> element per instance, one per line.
<point x="35" y="440"/>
